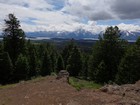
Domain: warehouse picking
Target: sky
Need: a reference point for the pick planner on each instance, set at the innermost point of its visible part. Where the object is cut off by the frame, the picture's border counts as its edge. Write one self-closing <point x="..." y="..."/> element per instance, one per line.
<point x="70" y="15"/>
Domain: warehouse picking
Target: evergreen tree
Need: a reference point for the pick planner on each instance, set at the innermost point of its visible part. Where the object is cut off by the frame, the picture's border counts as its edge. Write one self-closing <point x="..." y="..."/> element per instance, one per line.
<point x="85" y="69"/>
<point x="95" y="58"/>
<point x="60" y="64"/>
<point x="74" y="65"/>
<point x="6" y="68"/>
<point x="41" y="49"/>
<point x="138" y="42"/>
<point x="109" y="49"/>
<point x="101" y="72"/>
<point x="46" y="68"/>
<point x="67" y="51"/>
<point x="13" y="37"/>
<point x="129" y="68"/>
<point x="32" y="58"/>
<point x="21" y="68"/>
<point x="53" y="57"/>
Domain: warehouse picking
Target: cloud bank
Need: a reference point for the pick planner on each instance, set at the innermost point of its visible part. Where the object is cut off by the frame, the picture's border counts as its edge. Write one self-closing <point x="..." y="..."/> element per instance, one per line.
<point x="104" y="9"/>
<point x="69" y="15"/>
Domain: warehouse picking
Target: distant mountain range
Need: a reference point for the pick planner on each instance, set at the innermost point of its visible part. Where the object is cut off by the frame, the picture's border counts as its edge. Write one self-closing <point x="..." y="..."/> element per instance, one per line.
<point x="79" y="34"/>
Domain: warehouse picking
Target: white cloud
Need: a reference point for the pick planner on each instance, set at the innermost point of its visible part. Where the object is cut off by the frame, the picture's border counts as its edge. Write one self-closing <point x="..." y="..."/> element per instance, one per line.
<point x="104" y="9"/>
<point x="32" y="4"/>
<point x="129" y="27"/>
<point x="34" y="15"/>
<point x="41" y="15"/>
<point x="93" y="9"/>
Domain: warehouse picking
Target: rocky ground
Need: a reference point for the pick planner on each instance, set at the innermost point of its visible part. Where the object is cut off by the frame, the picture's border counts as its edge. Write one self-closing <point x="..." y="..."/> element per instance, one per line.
<point x="50" y="91"/>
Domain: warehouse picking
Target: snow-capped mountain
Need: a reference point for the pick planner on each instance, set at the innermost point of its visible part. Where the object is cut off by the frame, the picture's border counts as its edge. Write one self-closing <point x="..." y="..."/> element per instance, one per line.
<point x="80" y="34"/>
<point x="130" y="35"/>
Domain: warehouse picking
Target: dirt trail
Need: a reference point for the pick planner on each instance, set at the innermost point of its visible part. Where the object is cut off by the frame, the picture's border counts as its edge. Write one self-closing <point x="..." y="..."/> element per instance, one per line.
<point x="50" y="91"/>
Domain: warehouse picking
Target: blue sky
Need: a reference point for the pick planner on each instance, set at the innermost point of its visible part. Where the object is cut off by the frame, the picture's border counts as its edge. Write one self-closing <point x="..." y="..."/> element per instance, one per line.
<point x="70" y="15"/>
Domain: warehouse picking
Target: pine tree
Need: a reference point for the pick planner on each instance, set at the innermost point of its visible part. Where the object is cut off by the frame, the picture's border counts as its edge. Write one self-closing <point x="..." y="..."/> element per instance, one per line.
<point x="74" y="65"/>
<point x="53" y="57"/>
<point x="85" y="69"/>
<point x="21" y="68"/>
<point x="6" y="68"/>
<point x="129" y="68"/>
<point x="101" y="72"/>
<point x="46" y="68"/>
<point x="67" y="51"/>
<point x="13" y="37"/>
<point x="32" y="58"/>
<point x="60" y="64"/>
<point x="138" y="42"/>
<point x="109" y="49"/>
<point x="41" y="49"/>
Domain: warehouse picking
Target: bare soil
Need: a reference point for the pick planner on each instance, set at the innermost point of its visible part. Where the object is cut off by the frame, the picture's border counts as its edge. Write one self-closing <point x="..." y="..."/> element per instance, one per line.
<point x="50" y="91"/>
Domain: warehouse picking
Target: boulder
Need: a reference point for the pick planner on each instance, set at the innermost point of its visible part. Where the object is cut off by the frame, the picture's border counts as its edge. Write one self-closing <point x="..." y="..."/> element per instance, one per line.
<point x="63" y="74"/>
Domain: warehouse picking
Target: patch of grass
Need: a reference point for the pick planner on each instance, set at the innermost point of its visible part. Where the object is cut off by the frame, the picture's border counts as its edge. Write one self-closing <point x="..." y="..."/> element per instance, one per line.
<point x="53" y="74"/>
<point x="7" y="86"/>
<point x="36" y="79"/>
<point x="80" y="84"/>
<point x="33" y="79"/>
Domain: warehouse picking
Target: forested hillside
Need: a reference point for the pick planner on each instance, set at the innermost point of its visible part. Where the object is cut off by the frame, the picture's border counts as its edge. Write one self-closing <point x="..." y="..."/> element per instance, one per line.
<point x="112" y="59"/>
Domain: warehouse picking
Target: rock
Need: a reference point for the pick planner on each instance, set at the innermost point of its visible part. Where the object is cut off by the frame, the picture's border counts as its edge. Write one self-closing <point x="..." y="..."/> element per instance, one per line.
<point x="137" y="83"/>
<point x="110" y="88"/>
<point x="63" y="74"/>
<point x="104" y="88"/>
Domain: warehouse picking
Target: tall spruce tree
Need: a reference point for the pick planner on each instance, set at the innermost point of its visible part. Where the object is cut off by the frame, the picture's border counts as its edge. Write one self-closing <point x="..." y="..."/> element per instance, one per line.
<point x="60" y="64"/>
<point x="129" y="68"/>
<point x="21" y="68"/>
<point x="32" y="58"/>
<point x="108" y="49"/>
<point x="85" y="69"/>
<point x="13" y="37"/>
<point x="74" y="65"/>
<point x="67" y="51"/>
<point x="46" y="68"/>
<point x="53" y="57"/>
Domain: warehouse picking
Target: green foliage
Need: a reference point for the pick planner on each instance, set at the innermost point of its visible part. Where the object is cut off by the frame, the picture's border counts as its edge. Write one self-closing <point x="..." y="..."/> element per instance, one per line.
<point x="67" y="51"/>
<point x="6" y="68"/>
<point x="75" y="63"/>
<point x="60" y="64"/>
<point x="54" y="58"/>
<point x="81" y="84"/>
<point x="32" y="58"/>
<point x="138" y="41"/>
<point x="13" y="37"/>
<point x="107" y="52"/>
<point x="40" y="50"/>
<point x="7" y="86"/>
<point x="24" y="60"/>
<point x="21" y="68"/>
<point x="101" y="72"/>
<point x="129" y="68"/>
<point x="84" y="72"/>
<point x="46" y="68"/>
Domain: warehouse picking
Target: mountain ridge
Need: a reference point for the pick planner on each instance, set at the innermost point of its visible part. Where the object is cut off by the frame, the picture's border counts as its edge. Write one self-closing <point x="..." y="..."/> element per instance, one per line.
<point x="80" y="34"/>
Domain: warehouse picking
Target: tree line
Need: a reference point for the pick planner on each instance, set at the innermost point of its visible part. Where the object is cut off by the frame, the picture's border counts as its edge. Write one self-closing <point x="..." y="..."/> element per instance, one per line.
<point x="112" y="59"/>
